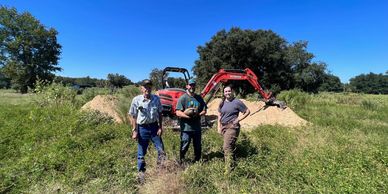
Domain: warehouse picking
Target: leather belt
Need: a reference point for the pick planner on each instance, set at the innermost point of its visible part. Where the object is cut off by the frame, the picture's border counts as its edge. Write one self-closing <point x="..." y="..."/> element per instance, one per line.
<point x="148" y="124"/>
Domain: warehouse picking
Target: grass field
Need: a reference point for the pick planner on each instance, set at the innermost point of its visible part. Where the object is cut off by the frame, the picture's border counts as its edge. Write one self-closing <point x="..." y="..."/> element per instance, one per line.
<point x="56" y="148"/>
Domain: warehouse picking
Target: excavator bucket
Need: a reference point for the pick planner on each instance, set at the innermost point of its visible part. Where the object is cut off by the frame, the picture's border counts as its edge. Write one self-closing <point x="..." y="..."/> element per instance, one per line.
<point x="273" y="102"/>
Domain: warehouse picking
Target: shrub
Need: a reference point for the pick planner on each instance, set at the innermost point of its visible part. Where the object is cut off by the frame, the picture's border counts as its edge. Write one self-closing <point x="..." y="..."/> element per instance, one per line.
<point x="89" y="93"/>
<point x="369" y="105"/>
<point x="294" y="98"/>
<point x="129" y="91"/>
<point x="94" y="118"/>
<point x="125" y="96"/>
<point x="54" y="94"/>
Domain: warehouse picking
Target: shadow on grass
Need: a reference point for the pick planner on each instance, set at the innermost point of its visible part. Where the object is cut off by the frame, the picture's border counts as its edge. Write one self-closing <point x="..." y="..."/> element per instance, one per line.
<point x="212" y="155"/>
<point x="244" y="147"/>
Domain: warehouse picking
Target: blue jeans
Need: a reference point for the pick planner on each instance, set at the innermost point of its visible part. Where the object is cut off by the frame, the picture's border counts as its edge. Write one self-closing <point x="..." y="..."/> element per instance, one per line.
<point x="186" y="137"/>
<point x="147" y="133"/>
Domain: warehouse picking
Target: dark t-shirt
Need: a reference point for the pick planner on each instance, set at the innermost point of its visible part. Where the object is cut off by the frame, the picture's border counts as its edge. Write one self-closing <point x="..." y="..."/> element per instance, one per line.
<point x="197" y="102"/>
<point x="230" y="110"/>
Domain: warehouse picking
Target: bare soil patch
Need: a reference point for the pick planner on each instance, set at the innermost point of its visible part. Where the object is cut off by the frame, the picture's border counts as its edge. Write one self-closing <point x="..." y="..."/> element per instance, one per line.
<point x="106" y="104"/>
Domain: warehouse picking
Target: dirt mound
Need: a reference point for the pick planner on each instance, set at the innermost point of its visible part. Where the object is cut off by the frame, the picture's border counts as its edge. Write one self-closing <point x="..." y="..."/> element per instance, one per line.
<point x="106" y="105"/>
<point x="263" y="116"/>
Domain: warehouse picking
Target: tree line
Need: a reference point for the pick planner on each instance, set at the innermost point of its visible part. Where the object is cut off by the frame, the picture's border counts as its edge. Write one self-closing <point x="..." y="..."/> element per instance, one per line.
<point x="113" y="80"/>
<point x="29" y="51"/>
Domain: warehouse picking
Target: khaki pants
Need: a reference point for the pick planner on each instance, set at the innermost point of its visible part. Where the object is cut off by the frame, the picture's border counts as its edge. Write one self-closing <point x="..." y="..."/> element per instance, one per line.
<point x="230" y="133"/>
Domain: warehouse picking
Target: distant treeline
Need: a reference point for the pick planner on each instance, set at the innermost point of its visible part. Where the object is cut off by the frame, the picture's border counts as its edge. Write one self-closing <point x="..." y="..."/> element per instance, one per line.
<point x="113" y="80"/>
<point x="370" y="83"/>
<point x="81" y="81"/>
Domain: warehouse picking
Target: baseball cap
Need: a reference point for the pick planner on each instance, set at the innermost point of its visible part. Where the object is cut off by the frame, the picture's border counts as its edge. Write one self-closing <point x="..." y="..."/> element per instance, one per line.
<point x="192" y="81"/>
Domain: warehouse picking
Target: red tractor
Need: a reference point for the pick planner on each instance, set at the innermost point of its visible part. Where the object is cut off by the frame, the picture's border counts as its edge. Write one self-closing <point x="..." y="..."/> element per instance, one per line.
<point x="170" y="96"/>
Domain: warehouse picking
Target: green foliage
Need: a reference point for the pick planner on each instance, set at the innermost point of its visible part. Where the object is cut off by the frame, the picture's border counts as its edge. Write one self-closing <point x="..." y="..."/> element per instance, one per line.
<point x="48" y="149"/>
<point x="77" y="154"/>
<point x="262" y="51"/>
<point x="370" y="83"/>
<point x="125" y="96"/>
<point x="29" y="51"/>
<point x="311" y="78"/>
<point x="278" y="64"/>
<point x="169" y="82"/>
<point x="369" y="105"/>
<point x="156" y="77"/>
<point x="89" y="93"/>
<point x="54" y="94"/>
<point x="81" y="81"/>
<point x="294" y="98"/>
<point x="95" y="118"/>
<point x="331" y="83"/>
<point x="176" y="82"/>
<point x="4" y="81"/>
<point x="118" y="81"/>
<point x="129" y="92"/>
<point x="12" y="97"/>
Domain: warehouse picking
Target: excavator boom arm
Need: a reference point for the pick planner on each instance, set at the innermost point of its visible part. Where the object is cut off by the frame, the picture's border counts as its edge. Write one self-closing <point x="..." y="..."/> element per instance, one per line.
<point x="225" y="75"/>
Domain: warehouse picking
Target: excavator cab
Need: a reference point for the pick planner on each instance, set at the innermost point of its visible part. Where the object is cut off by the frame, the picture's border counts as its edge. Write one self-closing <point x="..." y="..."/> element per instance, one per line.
<point x="169" y="94"/>
<point x="165" y="76"/>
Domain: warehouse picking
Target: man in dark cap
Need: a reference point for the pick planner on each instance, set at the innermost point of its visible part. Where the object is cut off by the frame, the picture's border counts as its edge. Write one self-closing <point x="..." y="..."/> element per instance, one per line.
<point x="190" y="107"/>
<point x="146" y="119"/>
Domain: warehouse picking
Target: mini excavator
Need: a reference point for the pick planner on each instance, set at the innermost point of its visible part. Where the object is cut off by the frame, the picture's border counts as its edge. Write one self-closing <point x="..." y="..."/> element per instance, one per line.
<point x="169" y="96"/>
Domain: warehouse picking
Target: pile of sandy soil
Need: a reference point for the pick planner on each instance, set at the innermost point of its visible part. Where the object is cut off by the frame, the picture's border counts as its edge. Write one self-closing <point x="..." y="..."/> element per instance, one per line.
<point x="271" y="115"/>
<point x="106" y="104"/>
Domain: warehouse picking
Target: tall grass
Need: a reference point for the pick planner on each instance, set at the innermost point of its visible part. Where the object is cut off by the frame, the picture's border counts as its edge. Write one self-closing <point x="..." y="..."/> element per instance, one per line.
<point x="57" y="148"/>
<point x="12" y="97"/>
<point x="295" y="99"/>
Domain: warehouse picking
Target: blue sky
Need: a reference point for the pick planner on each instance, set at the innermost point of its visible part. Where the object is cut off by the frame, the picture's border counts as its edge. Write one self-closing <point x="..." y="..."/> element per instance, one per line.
<point x="133" y="37"/>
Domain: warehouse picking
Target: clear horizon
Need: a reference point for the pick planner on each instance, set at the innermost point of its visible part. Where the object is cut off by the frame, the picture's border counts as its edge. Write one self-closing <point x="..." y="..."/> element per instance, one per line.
<point x="132" y="38"/>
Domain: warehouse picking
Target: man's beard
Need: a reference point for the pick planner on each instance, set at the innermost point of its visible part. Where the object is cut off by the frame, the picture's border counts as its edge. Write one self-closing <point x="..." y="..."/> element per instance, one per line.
<point x="191" y="90"/>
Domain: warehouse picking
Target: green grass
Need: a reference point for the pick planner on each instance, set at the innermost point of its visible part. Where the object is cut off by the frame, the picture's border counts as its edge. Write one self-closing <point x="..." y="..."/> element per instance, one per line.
<point x="57" y="148"/>
<point x="11" y="97"/>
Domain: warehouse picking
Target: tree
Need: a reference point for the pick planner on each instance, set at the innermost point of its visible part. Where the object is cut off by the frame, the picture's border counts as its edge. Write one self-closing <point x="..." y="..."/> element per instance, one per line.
<point x="156" y="77"/>
<point x="4" y="81"/>
<point x="267" y="54"/>
<point x="118" y="81"/>
<point x="176" y="82"/>
<point x="370" y="83"/>
<point x="331" y="83"/>
<point x="28" y="51"/>
<point x="311" y="77"/>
